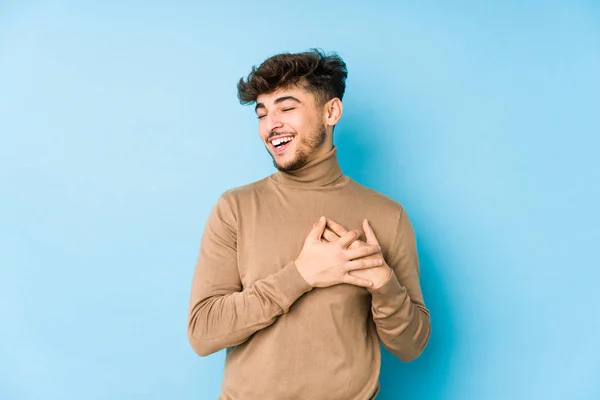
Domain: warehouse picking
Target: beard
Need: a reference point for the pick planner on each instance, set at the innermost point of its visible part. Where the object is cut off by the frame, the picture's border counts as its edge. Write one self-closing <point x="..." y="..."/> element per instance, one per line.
<point x="305" y="148"/>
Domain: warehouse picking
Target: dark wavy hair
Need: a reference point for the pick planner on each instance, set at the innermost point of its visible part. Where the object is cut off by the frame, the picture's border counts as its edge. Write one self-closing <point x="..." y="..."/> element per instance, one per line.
<point x="322" y="74"/>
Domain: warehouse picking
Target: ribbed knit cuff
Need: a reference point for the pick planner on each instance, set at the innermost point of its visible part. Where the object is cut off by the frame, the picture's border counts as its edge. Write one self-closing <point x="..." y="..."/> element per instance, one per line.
<point x="389" y="293"/>
<point x="291" y="285"/>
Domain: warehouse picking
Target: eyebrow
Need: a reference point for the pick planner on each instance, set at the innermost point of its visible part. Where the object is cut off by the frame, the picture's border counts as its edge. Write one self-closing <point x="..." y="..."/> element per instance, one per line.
<point x="277" y="101"/>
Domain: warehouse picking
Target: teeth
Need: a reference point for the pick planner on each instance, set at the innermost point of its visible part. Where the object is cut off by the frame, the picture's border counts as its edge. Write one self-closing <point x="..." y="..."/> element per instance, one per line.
<point x="277" y="142"/>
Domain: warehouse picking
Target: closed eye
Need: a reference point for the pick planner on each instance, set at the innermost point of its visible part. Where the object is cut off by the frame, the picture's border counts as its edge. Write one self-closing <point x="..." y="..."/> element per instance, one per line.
<point x="284" y="109"/>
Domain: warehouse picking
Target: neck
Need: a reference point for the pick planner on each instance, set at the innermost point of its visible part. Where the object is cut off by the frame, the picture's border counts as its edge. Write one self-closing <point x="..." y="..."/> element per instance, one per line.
<point x="323" y="170"/>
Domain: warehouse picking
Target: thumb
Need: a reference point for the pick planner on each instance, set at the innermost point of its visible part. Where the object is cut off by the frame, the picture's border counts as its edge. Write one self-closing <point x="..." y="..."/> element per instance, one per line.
<point x="318" y="229"/>
<point x="370" y="235"/>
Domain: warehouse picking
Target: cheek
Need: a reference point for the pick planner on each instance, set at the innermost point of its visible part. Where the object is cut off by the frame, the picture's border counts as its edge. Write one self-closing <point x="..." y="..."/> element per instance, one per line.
<point x="262" y="131"/>
<point x="305" y="122"/>
<point x="297" y="124"/>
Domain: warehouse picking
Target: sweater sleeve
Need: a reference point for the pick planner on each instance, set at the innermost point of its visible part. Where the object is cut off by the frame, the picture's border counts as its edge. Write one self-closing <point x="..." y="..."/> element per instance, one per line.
<point x="221" y="312"/>
<point x="398" y="308"/>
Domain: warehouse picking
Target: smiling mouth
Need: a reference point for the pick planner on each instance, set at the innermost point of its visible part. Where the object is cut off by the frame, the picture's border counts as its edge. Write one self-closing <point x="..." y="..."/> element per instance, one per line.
<point x="281" y="143"/>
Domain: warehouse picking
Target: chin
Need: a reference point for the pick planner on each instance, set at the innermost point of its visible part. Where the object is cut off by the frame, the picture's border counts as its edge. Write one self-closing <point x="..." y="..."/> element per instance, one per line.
<point x="295" y="162"/>
<point x="285" y="167"/>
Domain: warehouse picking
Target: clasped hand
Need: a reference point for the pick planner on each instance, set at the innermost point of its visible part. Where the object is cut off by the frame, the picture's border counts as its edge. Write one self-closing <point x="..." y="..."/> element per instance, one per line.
<point x="332" y="255"/>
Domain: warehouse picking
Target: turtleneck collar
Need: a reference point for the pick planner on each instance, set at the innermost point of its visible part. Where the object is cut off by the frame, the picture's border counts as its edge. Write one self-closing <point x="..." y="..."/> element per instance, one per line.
<point x="321" y="171"/>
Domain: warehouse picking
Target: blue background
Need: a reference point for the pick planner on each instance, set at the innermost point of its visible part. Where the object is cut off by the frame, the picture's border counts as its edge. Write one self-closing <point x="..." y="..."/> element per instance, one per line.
<point x="120" y="127"/>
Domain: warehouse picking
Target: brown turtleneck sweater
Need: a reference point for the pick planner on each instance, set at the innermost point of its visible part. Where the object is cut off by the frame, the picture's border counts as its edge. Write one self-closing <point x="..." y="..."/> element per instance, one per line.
<point x="285" y="339"/>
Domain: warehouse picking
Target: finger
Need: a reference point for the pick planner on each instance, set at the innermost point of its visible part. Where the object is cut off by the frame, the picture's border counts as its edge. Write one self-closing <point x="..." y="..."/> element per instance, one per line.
<point x="337" y="228"/>
<point x="318" y="229"/>
<point x="329" y="235"/>
<point x="363" y="251"/>
<point x="352" y="280"/>
<point x="348" y="238"/>
<point x="364" y="264"/>
<point x="356" y="244"/>
<point x="370" y="235"/>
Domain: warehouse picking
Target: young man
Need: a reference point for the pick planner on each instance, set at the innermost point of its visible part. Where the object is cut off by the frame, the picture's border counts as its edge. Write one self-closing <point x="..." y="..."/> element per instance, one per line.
<point x="284" y="281"/>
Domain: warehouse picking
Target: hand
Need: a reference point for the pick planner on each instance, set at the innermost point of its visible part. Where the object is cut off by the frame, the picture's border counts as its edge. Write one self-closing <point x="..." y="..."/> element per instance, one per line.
<point x="322" y="263"/>
<point x="380" y="274"/>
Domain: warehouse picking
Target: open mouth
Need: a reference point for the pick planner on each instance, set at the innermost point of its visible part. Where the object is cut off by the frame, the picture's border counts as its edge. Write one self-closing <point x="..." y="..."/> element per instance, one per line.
<point x="279" y="144"/>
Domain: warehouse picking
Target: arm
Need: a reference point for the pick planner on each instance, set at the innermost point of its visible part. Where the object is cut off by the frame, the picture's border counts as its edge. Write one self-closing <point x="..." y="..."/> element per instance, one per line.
<point x="221" y="312"/>
<point x="398" y="308"/>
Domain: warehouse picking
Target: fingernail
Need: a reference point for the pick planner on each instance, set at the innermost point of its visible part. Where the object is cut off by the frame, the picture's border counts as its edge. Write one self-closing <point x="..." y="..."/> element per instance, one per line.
<point x="322" y="219"/>
<point x="378" y="248"/>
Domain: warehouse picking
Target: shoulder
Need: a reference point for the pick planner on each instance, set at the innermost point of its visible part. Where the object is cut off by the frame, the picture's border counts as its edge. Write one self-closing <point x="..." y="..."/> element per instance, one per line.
<point x="240" y="192"/>
<point x="226" y="208"/>
<point x="231" y="198"/>
<point x="373" y="198"/>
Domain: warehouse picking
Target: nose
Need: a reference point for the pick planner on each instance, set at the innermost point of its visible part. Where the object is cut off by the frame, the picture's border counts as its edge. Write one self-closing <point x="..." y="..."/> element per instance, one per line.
<point x="272" y="123"/>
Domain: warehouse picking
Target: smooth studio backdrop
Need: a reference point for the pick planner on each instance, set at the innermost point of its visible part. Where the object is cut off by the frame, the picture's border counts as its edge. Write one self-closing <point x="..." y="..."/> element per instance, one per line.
<point x="120" y="127"/>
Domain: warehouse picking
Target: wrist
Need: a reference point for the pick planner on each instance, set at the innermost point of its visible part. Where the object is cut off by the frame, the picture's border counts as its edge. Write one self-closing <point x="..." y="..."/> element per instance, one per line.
<point x="301" y="270"/>
<point x="380" y="284"/>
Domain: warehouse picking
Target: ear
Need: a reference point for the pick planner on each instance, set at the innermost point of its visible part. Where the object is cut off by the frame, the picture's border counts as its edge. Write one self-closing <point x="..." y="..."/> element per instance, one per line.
<point x="332" y="112"/>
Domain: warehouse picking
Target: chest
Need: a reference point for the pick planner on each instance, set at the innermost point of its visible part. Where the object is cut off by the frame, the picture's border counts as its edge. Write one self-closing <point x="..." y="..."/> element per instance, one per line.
<point x="272" y="228"/>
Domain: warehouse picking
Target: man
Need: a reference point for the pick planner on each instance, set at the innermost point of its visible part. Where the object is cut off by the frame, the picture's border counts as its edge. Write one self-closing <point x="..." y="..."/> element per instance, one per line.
<point x="284" y="280"/>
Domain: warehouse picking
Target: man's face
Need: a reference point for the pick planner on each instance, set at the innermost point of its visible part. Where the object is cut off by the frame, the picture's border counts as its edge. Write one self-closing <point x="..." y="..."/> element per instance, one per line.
<point x="291" y="126"/>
